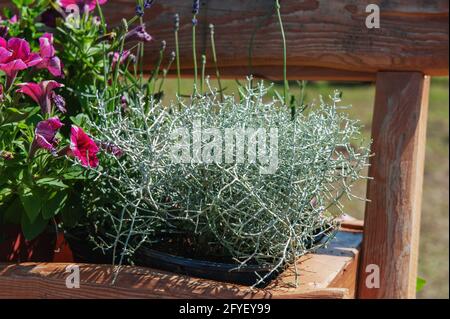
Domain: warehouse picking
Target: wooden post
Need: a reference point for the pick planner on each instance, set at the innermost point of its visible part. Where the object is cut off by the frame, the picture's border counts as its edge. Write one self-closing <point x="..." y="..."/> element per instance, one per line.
<point x="392" y="219"/>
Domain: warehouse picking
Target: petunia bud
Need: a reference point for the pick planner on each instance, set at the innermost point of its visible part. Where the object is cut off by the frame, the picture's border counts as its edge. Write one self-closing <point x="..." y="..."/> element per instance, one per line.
<point x="44" y="136"/>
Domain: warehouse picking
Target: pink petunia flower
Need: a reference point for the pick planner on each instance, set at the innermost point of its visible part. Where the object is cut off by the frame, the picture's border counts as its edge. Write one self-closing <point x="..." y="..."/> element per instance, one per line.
<point x="44" y="136"/>
<point x="83" y="147"/>
<point x="15" y="55"/>
<point x="49" y="59"/>
<point x="41" y="93"/>
<point x="89" y="4"/>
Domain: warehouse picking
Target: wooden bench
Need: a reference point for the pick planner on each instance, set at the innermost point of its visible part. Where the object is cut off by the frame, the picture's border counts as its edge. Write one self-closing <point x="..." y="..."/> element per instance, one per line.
<point x="327" y="40"/>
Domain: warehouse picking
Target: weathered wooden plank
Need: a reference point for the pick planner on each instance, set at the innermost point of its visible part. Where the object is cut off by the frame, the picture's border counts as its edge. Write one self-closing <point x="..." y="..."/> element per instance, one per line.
<point x="322" y="36"/>
<point x="325" y="34"/>
<point x="320" y="278"/>
<point x="327" y="267"/>
<point x="320" y="33"/>
<point x="392" y="218"/>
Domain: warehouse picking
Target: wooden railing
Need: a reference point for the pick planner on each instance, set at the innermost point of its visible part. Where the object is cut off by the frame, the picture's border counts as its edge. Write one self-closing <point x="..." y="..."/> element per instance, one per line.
<point x="326" y="39"/>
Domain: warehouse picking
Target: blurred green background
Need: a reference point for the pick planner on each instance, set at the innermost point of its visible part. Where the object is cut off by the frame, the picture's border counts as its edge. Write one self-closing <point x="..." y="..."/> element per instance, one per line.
<point x="434" y="240"/>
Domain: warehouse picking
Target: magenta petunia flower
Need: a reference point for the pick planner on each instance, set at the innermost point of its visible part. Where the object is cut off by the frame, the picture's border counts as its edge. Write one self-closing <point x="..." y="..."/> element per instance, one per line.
<point x="44" y="136"/>
<point x="41" y="93"/>
<point x="83" y="147"/>
<point x="49" y="59"/>
<point x="15" y="55"/>
<point x="89" y="4"/>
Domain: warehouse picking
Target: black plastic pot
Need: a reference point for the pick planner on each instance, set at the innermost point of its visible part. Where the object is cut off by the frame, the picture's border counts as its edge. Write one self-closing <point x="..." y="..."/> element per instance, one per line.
<point x="84" y="252"/>
<point x="226" y="272"/>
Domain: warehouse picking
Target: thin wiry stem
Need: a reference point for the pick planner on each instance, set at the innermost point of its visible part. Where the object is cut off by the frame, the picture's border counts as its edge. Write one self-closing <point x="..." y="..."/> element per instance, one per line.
<point x="194" y="53"/>
<point x="283" y="36"/>
<point x="177" y="53"/>
<point x="214" y="55"/>
<point x="267" y="219"/>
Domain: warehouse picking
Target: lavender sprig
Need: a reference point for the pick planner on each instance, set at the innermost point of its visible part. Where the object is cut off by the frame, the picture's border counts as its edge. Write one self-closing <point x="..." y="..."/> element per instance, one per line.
<point x="139" y="11"/>
<point x="176" y="18"/>
<point x="196" y="7"/>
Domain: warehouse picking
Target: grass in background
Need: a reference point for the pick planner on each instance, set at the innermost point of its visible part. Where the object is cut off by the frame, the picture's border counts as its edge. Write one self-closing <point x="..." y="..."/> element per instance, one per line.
<point x="434" y="241"/>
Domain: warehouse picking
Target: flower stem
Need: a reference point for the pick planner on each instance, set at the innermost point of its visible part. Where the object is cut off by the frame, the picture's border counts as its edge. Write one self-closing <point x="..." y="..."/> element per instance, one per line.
<point x="177" y="53"/>
<point x="283" y="35"/>
<point x="213" y="47"/>
<point x="165" y="71"/>
<point x="155" y="73"/>
<point x="102" y="18"/>
<point x="194" y="53"/>
<point x="202" y="79"/>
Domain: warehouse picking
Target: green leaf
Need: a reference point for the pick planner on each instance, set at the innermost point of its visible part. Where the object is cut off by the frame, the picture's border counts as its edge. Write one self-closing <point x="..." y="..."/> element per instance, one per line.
<point x="14" y="115"/>
<point x="50" y="181"/>
<point x="80" y="119"/>
<point x="54" y="206"/>
<point x="31" y="229"/>
<point x="75" y="173"/>
<point x="420" y="284"/>
<point x="5" y="192"/>
<point x="31" y="202"/>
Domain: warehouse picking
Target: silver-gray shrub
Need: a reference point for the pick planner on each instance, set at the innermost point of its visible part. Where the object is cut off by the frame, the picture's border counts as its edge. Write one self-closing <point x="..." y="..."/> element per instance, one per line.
<point x="259" y="218"/>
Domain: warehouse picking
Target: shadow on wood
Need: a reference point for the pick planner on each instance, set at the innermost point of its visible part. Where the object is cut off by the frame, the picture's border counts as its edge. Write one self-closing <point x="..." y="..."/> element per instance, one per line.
<point x="330" y="273"/>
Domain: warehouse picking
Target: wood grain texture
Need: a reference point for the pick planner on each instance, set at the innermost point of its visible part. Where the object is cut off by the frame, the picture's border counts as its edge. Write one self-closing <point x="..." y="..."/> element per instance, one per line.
<point x="323" y="34"/>
<point x="326" y="39"/>
<point x="329" y="273"/>
<point x="392" y="218"/>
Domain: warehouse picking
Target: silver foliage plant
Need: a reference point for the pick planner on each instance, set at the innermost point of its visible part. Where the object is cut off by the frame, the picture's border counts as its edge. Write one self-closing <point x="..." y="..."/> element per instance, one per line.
<point x="268" y="219"/>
